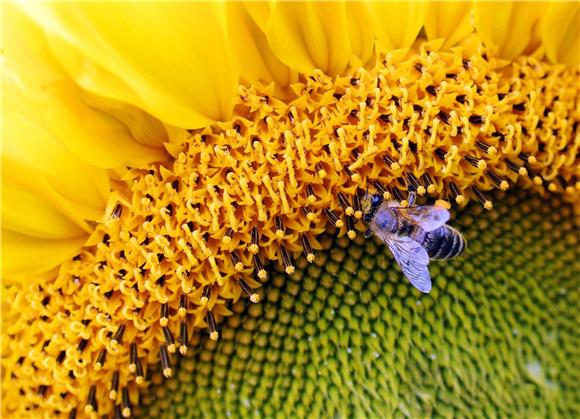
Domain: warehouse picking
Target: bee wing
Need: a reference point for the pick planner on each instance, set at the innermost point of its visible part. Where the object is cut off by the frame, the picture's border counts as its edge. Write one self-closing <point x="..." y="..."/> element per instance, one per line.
<point x="428" y="217"/>
<point x="413" y="260"/>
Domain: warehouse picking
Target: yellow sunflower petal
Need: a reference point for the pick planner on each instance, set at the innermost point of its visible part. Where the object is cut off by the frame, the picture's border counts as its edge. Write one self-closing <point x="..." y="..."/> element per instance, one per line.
<point x="170" y="59"/>
<point x="24" y="254"/>
<point x="251" y="51"/>
<point x="310" y="35"/>
<point x="396" y="24"/>
<point x="449" y="20"/>
<point x="509" y="26"/>
<point x="560" y="34"/>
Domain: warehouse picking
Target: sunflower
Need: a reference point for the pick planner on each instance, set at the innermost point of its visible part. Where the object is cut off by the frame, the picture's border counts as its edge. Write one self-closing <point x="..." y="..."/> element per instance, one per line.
<point x="157" y="157"/>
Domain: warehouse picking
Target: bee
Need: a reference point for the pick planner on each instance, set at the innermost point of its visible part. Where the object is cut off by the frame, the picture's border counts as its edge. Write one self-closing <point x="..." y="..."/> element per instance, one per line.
<point x="414" y="234"/>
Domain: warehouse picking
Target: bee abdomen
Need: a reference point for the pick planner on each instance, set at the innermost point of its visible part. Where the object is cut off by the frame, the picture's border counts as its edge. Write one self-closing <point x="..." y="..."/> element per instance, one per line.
<point x="444" y="243"/>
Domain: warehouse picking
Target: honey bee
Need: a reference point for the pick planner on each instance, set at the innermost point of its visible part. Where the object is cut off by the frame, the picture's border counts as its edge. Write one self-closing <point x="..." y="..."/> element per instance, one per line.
<point x="414" y="235"/>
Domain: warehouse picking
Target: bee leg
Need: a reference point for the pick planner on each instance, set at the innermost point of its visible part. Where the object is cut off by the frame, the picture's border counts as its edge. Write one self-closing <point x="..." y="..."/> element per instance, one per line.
<point x="368" y="233"/>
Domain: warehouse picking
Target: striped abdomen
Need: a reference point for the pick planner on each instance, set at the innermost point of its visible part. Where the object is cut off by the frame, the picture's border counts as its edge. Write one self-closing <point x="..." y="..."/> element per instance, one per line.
<point x="443" y="243"/>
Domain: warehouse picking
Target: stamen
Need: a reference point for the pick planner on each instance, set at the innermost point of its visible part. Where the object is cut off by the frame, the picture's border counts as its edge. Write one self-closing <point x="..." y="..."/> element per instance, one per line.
<point x="348" y="209"/>
<point x="238" y="265"/>
<point x="394" y="166"/>
<point x="164" y="317"/>
<point x="487" y="204"/>
<point x="350" y="231"/>
<point x="456" y="194"/>
<point x="306" y="248"/>
<point x="486" y="148"/>
<point x="475" y="162"/>
<point x="133" y="358"/>
<point x="82" y="345"/>
<point x="91" y="400"/>
<point x="118" y="338"/>
<point x="183" y="338"/>
<point x="428" y="182"/>
<point x="382" y="190"/>
<point x="516" y="168"/>
<point x="357" y="208"/>
<point x="169" y="340"/>
<point x="310" y="193"/>
<point x="114" y="386"/>
<point x="288" y="267"/>
<point x="72" y="414"/>
<point x="279" y="227"/>
<point x="250" y="292"/>
<point x="259" y="268"/>
<point x="118" y="413"/>
<point x="205" y="295"/>
<point x="333" y="218"/>
<point x="182" y="310"/>
<point x="255" y="241"/>
<point x="98" y="365"/>
<point x="210" y="320"/>
<point x="126" y="403"/>
<point x="228" y="236"/>
<point x="165" y="363"/>
<point x="498" y="181"/>
<point x="535" y="177"/>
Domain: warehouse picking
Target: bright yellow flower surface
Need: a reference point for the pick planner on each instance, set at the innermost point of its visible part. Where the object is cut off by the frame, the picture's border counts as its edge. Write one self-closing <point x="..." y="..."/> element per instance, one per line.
<point x="158" y="156"/>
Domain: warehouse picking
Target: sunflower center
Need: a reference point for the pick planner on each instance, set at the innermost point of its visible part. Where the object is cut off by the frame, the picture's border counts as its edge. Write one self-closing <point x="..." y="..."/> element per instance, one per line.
<point x="186" y="239"/>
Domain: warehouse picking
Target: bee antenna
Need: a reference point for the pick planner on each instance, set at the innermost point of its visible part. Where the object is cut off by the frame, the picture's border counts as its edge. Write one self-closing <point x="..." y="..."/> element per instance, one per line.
<point x="411" y="198"/>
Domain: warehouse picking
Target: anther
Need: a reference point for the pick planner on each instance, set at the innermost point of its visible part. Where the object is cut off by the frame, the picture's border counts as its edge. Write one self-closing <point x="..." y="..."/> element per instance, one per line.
<point x="288" y="267"/>
<point x="62" y="355"/>
<point x="213" y="333"/>
<point x="169" y="340"/>
<point x="126" y="412"/>
<point x="476" y="119"/>
<point x="519" y="107"/>
<point x="521" y="170"/>
<point x="114" y="386"/>
<point x="205" y="295"/>
<point x="486" y="148"/>
<point x="228" y="236"/>
<point x="537" y="179"/>
<point x="444" y="117"/>
<point x="118" y="338"/>
<point x="279" y="227"/>
<point x="439" y="152"/>
<point x="393" y="165"/>
<point x="182" y="310"/>
<point x="357" y="208"/>
<point x="42" y="390"/>
<point x="259" y="268"/>
<point x="475" y="162"/>
<point x="92" y="400"/>
<point x="133" y="358"/>
<point x="310" y="194"/>
<point x="310" y="216"/>
<point x="456" y="193"/>
<point x="350" y="231"/>
<point x="183" y="338"/>
<point x="432" y="90"/>
<point x="82" y="345"/>
<point x="333" y="218"/>
<point x="164" y="318"/>
<point x="253" y="248"/>
<point x="72" y="414"/>
<point x="306" y="248"/>
<point x="320" y="170"/>
<point x="250" y="292"/>
<point x="165" y="364"/>
<point x="382" y="190"/>
<point x="100" y="359"/>
<point x="348" y="209"/>
<point x="498" y="181"/>
<point x="238" y="265"/>
<point x="527" y="158"/>
<point x="428" y="182"/>
<point x="398" y="195"/>
<point x="412" y="183"/>
<point x="487" y="204"/>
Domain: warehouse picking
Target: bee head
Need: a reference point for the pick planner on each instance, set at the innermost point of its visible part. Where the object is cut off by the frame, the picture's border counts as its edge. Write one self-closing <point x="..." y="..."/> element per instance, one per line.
<point x="369" y="205"/>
